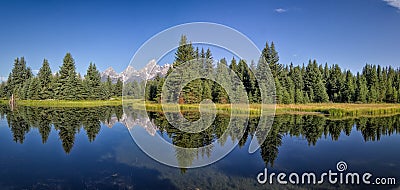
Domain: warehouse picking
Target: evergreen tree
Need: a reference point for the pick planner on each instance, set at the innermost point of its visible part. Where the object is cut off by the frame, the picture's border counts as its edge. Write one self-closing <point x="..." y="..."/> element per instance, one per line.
<point x="208" y="72"/>
<point x="271" y="57"/>
<point x="390" y="95"/>
<point x="371" y="76"/>
<point x="81" y="90"/>
<point x="159" y="89"/>
<point x="118" y="88"/>
<point x="297" y="78"/>
<point x="235" y="83"/>
<point x="2" y="90"/>
<point x="219" y="93"/>
<point x="56" y="86"/>
<point x="314" y="84"/>
<point x="92" y="82"/>
<point x="208" y="67"/>
<point x="68" y="79"/>
<point x="391" y="86"/>
<point x="107" y="89"/>
<point x="190" y="92"/>
<point x="70" y="87"/>
<point x="32" y="92"/>
<point x="335" y="84"/>
<point x="293" y="84"/>
<point x="382" y="81"/>
<point x="45" y="79"/>
<point x="349" y="88"/>
<point x="19" y="74"/>
<point x="299" y="96"/>
<point x="207" y="94"/>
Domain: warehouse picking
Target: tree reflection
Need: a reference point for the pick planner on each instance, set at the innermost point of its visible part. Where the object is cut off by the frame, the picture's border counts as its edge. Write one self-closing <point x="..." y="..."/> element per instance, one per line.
<point x="66" y="121"/>
<point x="309" y="127"/>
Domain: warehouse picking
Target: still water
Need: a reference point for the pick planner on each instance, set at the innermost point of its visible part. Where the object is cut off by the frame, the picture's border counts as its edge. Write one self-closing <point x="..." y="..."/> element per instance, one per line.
<point x="91" y="148"/>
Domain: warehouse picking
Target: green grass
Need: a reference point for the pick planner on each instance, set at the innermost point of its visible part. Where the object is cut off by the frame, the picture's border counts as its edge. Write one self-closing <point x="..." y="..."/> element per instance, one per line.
<point x="66" y="103"/>
<point x="338" y="110"/>
<point x="328" y="109"/>
<point x="342" y="109"/>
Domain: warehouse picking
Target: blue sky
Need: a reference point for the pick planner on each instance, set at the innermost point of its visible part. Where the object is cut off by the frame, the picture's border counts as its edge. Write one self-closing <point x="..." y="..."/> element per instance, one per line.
<point x="108" y="33"/>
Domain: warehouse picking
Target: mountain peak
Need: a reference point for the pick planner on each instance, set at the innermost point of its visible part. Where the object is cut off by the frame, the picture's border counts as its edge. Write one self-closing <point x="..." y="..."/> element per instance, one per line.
<point x="130" y="74"/>
<point x="110" y="71"/>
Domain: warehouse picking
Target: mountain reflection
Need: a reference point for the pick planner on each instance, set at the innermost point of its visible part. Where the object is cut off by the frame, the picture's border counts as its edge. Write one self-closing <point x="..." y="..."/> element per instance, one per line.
<point x="309" y="127"/>
<point x="70" y="121"/>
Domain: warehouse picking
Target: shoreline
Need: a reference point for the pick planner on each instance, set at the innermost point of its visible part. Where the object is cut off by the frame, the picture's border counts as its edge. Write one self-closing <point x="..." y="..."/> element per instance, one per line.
<point x="327" y="109"/>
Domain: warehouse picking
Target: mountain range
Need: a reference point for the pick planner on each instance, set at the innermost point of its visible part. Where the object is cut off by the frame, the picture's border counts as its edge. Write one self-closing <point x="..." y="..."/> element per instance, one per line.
<point x="130" y="74"/>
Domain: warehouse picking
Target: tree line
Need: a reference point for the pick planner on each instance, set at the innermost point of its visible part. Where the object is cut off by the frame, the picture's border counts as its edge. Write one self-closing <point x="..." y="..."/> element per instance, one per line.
<point x="66" y="84"/>
<point x="311" y="83"/>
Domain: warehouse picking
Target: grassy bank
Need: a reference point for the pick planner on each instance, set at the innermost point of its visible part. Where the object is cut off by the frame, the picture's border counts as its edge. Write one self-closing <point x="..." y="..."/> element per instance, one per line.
<point x="330" y="109"/>
<point x="66" y="103"/>
<point x="342" y="109"/>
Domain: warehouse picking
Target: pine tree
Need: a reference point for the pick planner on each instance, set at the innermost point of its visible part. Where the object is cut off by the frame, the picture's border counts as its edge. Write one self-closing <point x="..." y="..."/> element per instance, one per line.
<point x="208" y="67"/>
<point x="159" y="89"/>
<point x="81" y="91"/>
<point x="45" y="79"/>
<point x="349" y="88"/>
<point x="246" y="77"/>
<point x="235" y="83"/>
<point x="32" y="92"/>
<point x="391" y="86"/>
<point x="279" y="92"/>
<point x="320" y="94"/>
<point x="272" y="58"/>
<point x="263" y="68"/>
<point x="107" y="89"/>
<point x="299" y="96"/>
<point x="118" y="88"/>
<point x="184" y="54"/>
<point x="314" y="84"/>
<point x="335" y="83"/>
<point x="92" y="82"/>
<point x="297" y="78"/>
<point x="382" y="81"/>
<point x="56" y="86"/>
<point x="68" y="79"/>
<point x="208" y="72"/>
<point x="207" y="94"/>
<point x="362" y="89"/>
<point x="3" y="90"/>
<point x="70" y="87"/>
<point x="19" y="74"/>
<point x="219" y="93"/>
<point x="23" y="92"/>
<point x="372" y="82"/>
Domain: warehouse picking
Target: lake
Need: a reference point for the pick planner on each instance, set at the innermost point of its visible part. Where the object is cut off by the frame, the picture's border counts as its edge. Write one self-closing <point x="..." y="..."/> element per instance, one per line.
<point x="92" y="148"/>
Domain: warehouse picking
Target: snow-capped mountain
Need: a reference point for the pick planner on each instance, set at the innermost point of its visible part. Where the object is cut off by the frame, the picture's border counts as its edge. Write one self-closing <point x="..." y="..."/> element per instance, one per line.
<point x="130" y="74"/>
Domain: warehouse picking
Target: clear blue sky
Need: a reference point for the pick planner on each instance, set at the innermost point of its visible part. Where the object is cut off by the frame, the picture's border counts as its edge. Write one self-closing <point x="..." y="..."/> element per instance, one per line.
<point x="347" y="32"/>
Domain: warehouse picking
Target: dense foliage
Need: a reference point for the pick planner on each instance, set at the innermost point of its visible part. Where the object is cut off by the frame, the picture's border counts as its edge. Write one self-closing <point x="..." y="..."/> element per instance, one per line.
<point x="311" y="83"/>
<point x="66" y="84"/>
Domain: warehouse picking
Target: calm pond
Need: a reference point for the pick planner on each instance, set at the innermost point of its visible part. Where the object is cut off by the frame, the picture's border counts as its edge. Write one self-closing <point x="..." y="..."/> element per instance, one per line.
<point x="92" y="148"/>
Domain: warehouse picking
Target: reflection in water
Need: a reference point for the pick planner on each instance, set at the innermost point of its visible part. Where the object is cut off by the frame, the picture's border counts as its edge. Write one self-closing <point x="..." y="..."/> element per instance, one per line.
<point x="236" y="171"/>
<point x="310" y="127"/>
<point x="69" y="121"/>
